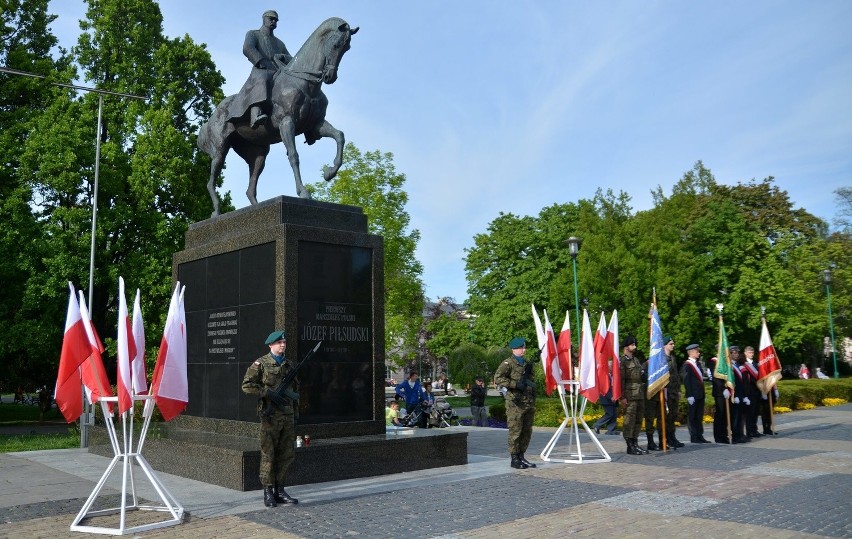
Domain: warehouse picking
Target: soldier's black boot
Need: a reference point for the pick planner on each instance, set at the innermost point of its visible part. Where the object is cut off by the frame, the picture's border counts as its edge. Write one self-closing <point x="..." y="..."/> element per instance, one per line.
<point x="651" y="445"/>
<point x="631" y="447"/>
<point x="638" y="448"/>
<point x="281" y="495"/>
<point x="675" y="443"/>
<point x="525" y="461"/>
<point x="517" y="463"/>
<point x="269" y="497"/>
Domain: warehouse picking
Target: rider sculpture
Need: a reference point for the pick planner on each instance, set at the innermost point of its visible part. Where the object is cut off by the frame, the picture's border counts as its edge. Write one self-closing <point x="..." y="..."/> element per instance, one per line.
<point x="261" y="47"/>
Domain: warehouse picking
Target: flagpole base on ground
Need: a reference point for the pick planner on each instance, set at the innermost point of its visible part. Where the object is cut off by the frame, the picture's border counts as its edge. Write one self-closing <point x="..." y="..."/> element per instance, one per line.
<point x="573" y="421"/>
<point x="127" y="456"/>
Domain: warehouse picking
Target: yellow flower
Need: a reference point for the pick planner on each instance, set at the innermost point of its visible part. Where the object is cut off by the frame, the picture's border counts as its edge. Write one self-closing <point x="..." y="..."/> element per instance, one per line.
<point x="805" y="406"/>
<point x="831" y="401"/>
<point x="782" y="410"/>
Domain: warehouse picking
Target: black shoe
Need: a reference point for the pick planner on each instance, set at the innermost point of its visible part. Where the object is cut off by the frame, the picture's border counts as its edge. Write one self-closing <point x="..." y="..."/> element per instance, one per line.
<point x="281" y="496"/>
<point x="740" y="440"/>
<point x="517" y="463"/>
<point x="269" y="497"/>
<point x="632" y="449"/>
<point x="652" y="446"/>
<point x="675" y="443"/>
<point x="525" y="461"/>
<point x="596" y="429"/>
<point x="769" y="433"/>
<point x="703" y="440"/>
<point x="721" y="440"/>
<point x="637" y="448"/>
<point x="755" y="434"/>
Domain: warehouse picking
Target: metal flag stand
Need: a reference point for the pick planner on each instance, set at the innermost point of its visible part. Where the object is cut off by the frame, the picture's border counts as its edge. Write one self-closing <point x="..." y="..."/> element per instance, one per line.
<point x="574" y="418"/>
<point x="127" y="454"/>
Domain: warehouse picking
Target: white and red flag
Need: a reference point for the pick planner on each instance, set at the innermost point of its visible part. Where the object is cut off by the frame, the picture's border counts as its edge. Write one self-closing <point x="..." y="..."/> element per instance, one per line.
<point x="169" y="382"/>
<point x="75" y="350"/>
<point x="94" y="375"/>
<point x="137" y="362"/>
<point x="547" y="347"/>
<point x="601" y="354"/>
<point x="588" y="387"/>
<point x="126" y="349"/>
<point x="563" y="351"/>
<point x="612" y="353"/>
<point x="768" y="365"/>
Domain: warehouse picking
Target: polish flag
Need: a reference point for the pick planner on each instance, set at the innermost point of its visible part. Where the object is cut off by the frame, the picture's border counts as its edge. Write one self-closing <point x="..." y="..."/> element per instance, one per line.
<point x="552" y="355"/>
<point x="601" y="353"/>
<point x="137" y="362"/>
<point x="588" y="388"/>
<point x="75" y="350"/>
<point x="92" y="370"/>
<point x="126" y="350"/>
<point x="169" y="383"/>
<point x="612" y="353"/>
<point x="563" y="351"/>
<point x="544" y="334"/>
<point x="768" y="365"/>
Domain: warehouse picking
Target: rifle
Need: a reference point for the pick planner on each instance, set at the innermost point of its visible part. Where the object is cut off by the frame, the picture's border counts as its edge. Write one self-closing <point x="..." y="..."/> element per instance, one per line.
<point x="278" y="395"/>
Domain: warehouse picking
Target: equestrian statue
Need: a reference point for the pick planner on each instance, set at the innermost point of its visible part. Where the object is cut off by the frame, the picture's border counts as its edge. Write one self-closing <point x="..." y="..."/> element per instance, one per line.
<point x="281" y="99"/>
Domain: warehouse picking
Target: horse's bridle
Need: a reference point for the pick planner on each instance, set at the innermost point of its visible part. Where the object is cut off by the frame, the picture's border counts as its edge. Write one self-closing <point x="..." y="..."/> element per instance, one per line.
<point x="313" y="76"/>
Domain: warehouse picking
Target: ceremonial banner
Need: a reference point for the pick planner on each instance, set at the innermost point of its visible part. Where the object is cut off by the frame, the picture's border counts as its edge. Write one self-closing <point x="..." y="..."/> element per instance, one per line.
<point x="768" y="365"/>
<point x="658" y="367"/>
<point x="563" y="352"/>
<point x="612" y="345"/>
<point x="588" y="387"/>
<point x="723" y="369"/>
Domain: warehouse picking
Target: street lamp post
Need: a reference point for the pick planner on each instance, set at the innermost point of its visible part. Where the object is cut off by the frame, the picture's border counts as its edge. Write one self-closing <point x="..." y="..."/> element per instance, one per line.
<point x="574" y="249"/>
<point x="420" y="356"/>
<point x="826" y="276"/>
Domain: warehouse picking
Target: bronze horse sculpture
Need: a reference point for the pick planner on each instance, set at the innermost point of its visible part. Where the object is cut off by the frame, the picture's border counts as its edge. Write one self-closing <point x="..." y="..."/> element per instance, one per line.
<point x="298" y="106"/>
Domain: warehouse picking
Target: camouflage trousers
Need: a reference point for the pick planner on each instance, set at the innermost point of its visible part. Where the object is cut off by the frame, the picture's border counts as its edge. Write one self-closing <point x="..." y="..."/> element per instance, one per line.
<point x="277" y="448"/>
<point x="520" y="417"/>
<point x="633" y="418"/>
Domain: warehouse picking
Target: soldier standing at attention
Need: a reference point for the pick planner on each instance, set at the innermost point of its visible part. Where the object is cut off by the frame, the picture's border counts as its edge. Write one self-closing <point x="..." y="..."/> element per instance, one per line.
<point x="693" y="385"/>
<point x="672" y="396"/>
<point x="633" y="381"/>
<point x="277" y="428"/>
<point x="515" y="379"/>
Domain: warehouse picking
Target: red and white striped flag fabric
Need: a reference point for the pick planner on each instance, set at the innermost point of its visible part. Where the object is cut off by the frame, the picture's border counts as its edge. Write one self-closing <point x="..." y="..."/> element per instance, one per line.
<point x="137" y="362"/>
<point x="601" y="353"/>
<point x="563" y="351"/>
<point x="92" y="370"/>
<point x="169" y="382"/>
<point x="768" y="365"/>
<point x="126" y="350"/>
<point x="588" y="387"/>
<point x="552" y="355"/>
<point x="612" y="347"/>
<point x="75" y="350"/>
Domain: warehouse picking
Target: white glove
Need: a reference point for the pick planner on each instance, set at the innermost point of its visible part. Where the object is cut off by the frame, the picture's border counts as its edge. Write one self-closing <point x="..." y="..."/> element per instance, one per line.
<point x="503" y="391"/>
<point x="690" y="400"/>
<point x="736" y="400"/>
<point x="765" y="396"/>
<point x="747" y="401"/>
<point x="776" y="394"/>
<point x="727" y="394"/>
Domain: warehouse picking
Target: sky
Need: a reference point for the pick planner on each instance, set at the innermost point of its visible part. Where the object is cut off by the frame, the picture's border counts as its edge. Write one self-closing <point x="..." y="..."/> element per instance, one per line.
<point x="510" y="106"/>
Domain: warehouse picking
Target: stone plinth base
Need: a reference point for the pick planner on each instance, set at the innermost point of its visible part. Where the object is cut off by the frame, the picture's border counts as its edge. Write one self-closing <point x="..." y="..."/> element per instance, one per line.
<point x="233" y="461"/>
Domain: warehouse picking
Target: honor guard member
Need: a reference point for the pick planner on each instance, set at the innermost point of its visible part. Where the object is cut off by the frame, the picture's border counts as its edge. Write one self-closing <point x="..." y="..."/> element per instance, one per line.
<point x="672" y="396"/>
<point x="634" y="379"/>
<point x="277" y="413"/>
<point x="514" y="377"/>
<point x="750" y="376"/>
<point x="693" y="386"/>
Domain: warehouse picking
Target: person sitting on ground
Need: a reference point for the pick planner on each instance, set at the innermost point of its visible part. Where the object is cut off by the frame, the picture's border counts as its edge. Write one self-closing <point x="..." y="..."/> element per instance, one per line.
<point x="392" y="414"/>
<point x="821" y="375"/>
<point x="804" y="372"/>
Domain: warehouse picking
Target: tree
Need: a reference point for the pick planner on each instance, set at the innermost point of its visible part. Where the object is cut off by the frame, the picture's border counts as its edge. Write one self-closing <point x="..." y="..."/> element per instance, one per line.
<point x="370" y="180"/>
<point x="151" y="180"/>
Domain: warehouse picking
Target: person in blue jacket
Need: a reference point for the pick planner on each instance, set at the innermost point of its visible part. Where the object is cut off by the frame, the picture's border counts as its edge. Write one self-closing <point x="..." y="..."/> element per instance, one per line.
<point x="411" y="391"/>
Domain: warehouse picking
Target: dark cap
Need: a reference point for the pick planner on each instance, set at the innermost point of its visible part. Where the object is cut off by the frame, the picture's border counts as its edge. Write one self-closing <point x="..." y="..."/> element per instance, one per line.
<point x="517" y="342"/>
<point x="693" y="347"/>
<point x="630" y="339"/>
<point x="276" y="336"/>
<point x="480" y="379"/>
<point x="667" y="340"/>
<point x="734" y="348"/>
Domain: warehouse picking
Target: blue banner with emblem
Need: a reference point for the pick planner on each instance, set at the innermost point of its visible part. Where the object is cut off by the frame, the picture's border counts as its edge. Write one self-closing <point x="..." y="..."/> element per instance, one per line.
<point x="658" y="367"/>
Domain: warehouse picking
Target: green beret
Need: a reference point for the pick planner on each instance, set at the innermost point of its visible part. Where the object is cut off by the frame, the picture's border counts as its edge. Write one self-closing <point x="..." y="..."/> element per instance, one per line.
<point x="276" y="336"/>
<point x="667" y="340"/>
<point x="517" y="342"/>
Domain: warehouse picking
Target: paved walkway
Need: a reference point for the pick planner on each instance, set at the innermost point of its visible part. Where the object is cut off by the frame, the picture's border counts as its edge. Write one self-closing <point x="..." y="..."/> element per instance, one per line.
<point x="796" y="484"/>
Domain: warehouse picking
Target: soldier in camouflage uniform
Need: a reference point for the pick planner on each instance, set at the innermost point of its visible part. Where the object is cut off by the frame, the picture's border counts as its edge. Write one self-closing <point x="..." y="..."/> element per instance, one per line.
<point x="633" y="382"/>
<point x="515" y="379"/>
<point x="277" y="428"/>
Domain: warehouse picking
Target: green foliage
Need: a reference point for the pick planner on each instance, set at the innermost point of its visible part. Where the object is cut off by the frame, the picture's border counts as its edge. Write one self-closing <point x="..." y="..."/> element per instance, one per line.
<point x="497" y="411"/>
<point x="370" y="181"/>
<point x="744" y="246"/>
<point x="38" y="442"/>
<point x="151" y="176"/>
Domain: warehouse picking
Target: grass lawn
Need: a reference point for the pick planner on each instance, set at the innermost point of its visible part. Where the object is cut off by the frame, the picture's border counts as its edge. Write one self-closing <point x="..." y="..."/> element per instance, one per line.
<point x="25" y="414"/>
<point x="37" y="442"/>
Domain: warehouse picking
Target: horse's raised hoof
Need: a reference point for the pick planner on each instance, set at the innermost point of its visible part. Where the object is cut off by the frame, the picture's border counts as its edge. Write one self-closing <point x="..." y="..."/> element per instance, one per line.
<point x="304" y="193"/>
<point x="328" y="173"/>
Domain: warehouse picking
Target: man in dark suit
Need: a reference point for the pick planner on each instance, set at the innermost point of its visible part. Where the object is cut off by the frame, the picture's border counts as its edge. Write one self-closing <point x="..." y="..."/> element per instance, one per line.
<point x="693" y="385"/>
